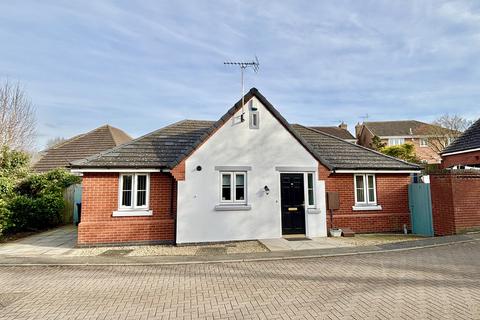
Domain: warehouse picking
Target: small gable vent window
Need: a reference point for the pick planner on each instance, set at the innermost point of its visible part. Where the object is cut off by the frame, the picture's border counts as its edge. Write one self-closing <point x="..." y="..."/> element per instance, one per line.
<point x="254" y="116"/>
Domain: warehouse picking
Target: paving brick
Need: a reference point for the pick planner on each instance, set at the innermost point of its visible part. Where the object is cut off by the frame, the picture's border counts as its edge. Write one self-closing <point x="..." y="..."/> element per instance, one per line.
<point x="434" y="283"/>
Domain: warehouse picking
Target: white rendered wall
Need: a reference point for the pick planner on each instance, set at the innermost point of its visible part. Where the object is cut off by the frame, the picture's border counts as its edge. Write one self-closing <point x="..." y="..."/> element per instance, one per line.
<point x="263" y="149"/>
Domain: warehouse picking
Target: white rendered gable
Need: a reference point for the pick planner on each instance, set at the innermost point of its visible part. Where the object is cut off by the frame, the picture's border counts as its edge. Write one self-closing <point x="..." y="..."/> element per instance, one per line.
<point x="258" y="151"/>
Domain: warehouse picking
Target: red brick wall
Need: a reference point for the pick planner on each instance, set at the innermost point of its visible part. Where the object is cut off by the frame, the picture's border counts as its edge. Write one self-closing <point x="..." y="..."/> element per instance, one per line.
<point x="100" y="199"/>
<point x="455" y="202"/>
<point x="468" y="158"/>
<point x="392" y="195"/>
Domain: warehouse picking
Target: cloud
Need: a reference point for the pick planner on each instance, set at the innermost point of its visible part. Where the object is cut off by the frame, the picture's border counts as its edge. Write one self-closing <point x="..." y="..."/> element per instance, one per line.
<point x="140" y="66"/>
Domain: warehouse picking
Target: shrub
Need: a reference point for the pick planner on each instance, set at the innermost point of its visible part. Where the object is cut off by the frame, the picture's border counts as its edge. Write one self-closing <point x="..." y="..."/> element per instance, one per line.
<point x="29" y="201"/>
<point x="404" y="152"/>
<point x="38" y="200"/>
<point x="5" y="220"/>
<point x="35" y="213"/>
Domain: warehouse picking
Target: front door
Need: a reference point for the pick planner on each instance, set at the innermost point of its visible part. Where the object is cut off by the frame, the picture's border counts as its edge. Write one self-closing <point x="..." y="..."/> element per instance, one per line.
<point x="293" y="203"/>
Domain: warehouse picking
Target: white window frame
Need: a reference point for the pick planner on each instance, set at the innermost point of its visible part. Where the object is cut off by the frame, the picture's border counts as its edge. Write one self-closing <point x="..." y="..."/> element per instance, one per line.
<point x="313" y="205"/>
<point x="367" y="201"/>
<point x="233" y="187"/>
<point x="423" y="142"/>
<point x="396" y="141"/>
<point x="133" y="205"/>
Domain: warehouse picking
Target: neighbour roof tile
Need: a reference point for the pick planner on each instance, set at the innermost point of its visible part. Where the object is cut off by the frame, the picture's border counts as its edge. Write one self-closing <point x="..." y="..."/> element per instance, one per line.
<point x="81" y="146"/>
<point x="336" y="131"/>
<point x="397" y="128"/>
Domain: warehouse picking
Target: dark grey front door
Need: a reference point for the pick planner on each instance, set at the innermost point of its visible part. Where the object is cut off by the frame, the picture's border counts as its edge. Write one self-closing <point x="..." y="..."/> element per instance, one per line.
<point x="293" y="203"/>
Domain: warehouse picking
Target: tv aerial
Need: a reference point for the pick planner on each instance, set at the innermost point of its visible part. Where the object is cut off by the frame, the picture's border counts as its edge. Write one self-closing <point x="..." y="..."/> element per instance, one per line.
<point x="255" y="65"/>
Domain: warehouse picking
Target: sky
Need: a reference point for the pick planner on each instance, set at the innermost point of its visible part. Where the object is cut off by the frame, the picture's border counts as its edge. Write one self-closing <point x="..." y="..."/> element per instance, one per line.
<point x="141" y="65"/>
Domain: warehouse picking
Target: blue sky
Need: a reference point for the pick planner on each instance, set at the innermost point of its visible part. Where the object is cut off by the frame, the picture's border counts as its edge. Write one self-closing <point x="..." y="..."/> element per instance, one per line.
<point x="144" y="64"/>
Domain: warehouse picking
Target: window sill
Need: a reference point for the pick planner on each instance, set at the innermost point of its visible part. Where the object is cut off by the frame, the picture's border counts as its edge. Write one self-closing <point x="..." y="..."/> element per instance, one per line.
<point x="367" y="208"/>
<point x="233" y="207"/>
<point x="132" y="213"/>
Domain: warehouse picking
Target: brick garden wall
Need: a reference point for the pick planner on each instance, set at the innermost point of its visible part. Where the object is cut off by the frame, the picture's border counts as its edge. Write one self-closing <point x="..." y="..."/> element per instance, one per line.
<point x="455" y="202"/>
<point x="392" y="195"/>
<point x="100" y="199"/>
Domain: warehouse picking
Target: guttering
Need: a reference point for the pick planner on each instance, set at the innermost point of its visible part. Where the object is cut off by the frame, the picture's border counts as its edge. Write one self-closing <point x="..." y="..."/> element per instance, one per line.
<point x="376" y="171"/>
<point x="459" y="152"/>
<point x="82" y="170"/>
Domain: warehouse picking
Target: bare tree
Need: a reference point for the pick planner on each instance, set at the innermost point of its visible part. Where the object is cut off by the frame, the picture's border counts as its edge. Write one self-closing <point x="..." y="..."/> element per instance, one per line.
<point x="54" y="141"/>
<point x="445" y="130"/>
<point x="17" y="118"/>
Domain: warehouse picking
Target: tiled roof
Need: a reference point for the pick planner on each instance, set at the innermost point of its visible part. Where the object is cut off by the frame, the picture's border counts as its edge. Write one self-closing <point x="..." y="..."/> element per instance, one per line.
<point x="470" y="139"/>
<point x="397" y="128"/>
<point x="81" y="146"/>
<point x="167" y="147"/>
<point x="343" y="155"/>
<point x="159" y="149"/>
<point x="336" y="131"/>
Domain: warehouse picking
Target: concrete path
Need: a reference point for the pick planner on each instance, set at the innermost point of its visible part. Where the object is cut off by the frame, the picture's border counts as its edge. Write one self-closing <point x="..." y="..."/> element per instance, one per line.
<point x="53" y="242"/>
<point x="61" y="260"/>
<point x="283" y="244"/>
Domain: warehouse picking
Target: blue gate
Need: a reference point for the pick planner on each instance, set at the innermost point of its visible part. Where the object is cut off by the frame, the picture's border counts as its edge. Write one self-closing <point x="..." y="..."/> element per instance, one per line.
<point x="420" y="203"/>
<point x="77" y="199"/>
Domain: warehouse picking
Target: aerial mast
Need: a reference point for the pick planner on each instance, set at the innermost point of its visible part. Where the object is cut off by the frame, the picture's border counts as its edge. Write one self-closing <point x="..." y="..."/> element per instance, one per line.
<point x="244" y="65"/>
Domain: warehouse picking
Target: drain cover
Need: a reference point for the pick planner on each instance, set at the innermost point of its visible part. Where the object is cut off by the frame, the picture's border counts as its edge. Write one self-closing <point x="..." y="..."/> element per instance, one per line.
<point x="116" y="252"/>
<point x="215" y="251"/>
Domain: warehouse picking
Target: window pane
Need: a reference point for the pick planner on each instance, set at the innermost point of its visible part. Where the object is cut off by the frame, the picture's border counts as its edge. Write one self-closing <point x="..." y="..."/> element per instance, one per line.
<point x="239" y="187"/>
<point x="142" y="182"/>
<point x="360" y="189"/>
<point x="141" y="198"/>
<point x="310" y="189"/>
<point x="226" y="187"/>
<point x="127" y="183"/>
<point x="371" y="188"/>
<point x="127" y="191"/>
<point x="310" y="197"/>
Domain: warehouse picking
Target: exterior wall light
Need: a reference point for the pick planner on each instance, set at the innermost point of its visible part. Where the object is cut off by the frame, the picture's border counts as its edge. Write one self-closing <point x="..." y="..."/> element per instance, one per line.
<point x="267" y="190"/>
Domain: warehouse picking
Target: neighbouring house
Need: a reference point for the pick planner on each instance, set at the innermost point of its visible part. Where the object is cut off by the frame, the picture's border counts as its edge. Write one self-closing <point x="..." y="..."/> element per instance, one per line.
<point x="79" y="147"/>
<point x="83" y="145"/>
<point x="341" y="131"/>
<point x="464" y="152"/>
<point x="249" y="175"/>
<point x="393" y="133"/>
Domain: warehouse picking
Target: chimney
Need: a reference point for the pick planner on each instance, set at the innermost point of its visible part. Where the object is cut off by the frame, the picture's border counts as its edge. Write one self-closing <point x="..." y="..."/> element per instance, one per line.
<point x="358" y="129"/>
<point x="343" y="126"/>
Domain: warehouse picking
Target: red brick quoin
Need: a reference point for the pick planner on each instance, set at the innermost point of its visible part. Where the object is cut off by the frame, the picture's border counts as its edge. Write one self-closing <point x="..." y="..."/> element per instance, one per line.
<point x="100" y="199"/>
<point x="392" y="195"/>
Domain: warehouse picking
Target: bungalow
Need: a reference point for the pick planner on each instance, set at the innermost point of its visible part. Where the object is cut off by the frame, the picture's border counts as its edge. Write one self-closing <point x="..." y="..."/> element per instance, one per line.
<point x="249" y="175"/>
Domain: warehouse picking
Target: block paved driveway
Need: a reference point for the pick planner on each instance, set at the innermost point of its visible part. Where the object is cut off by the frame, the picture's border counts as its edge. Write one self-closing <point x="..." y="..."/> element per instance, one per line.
<point x="434" y="283"/>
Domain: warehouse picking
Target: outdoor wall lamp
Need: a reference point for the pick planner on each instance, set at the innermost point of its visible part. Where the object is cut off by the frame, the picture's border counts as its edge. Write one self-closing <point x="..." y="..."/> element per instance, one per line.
<point x="267" y="190"/>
